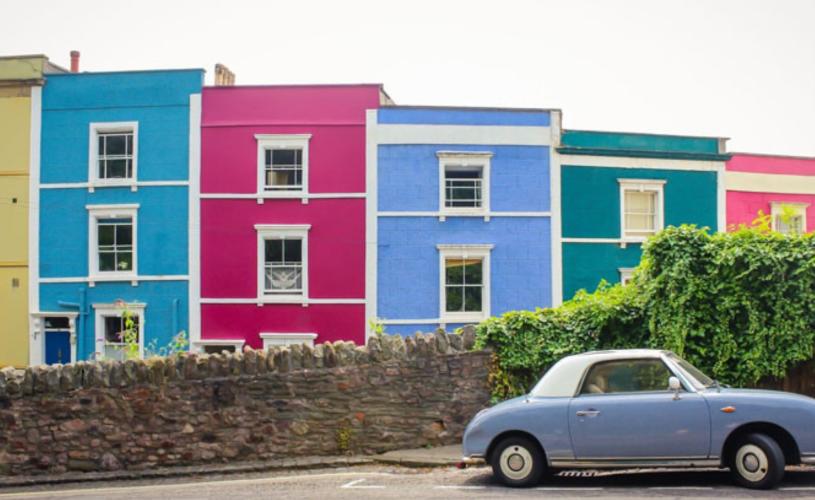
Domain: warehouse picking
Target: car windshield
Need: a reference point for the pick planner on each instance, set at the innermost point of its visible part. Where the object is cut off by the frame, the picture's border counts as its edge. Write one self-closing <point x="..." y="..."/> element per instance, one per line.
<point x="692" y="371"/>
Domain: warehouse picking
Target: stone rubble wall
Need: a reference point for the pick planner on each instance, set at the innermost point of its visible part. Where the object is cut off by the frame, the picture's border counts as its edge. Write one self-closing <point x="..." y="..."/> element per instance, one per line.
<point x="256" y="405"/>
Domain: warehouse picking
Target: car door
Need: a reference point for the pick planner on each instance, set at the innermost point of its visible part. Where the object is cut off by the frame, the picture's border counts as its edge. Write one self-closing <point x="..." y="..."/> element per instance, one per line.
<point x="625" y="411"/>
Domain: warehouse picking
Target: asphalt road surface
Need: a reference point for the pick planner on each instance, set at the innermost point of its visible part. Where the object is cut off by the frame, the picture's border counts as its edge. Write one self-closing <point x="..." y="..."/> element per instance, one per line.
<point x="394" y="482"/>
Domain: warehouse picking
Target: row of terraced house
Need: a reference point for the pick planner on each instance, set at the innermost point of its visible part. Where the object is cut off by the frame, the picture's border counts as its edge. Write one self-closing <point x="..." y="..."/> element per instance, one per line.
<point x="262" y="215"/>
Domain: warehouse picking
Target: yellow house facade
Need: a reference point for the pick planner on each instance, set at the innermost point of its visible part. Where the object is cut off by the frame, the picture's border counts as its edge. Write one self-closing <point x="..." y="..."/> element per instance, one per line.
<point x="21" y="80"/>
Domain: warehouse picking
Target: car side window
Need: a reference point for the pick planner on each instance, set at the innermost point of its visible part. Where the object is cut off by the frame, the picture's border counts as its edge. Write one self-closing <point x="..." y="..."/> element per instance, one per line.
<point x="632" y="375"/>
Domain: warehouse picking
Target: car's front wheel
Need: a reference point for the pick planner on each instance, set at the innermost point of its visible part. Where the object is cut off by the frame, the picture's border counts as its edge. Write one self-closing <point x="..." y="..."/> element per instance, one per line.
<point x="757" y="462"/>
<point x="517" y="461"/>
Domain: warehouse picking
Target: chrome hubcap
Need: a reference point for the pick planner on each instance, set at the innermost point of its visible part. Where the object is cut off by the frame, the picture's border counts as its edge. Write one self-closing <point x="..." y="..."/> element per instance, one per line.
<point x="516" y="462"/>
<point x="752" y="463"/>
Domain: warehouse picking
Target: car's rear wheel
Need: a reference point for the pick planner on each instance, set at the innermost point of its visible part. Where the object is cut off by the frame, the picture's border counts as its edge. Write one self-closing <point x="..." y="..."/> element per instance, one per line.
<point x="518" y="462"/>
<point x="757" y="462"/>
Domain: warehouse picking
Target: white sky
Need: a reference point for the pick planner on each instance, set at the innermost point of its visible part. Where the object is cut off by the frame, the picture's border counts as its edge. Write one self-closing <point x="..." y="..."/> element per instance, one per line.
<point x="743" y="69"/>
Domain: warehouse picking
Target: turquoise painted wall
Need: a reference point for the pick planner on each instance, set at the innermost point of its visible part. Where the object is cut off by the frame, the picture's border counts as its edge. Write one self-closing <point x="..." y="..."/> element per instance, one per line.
<point x="591" y="209"/>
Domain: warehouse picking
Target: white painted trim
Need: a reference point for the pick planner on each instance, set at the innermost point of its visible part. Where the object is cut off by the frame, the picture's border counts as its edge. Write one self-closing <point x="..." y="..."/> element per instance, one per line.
<point x="465" y="251"/>
<point x="94" y="129"/>
<point x="625" y="274"/>
<point x="194" y="227"/>
<point x="650" y="163"/>
<point x="443" y="214"/>
<point x="281" y="231"/>
<point x="281" y="141"/>
<point x="777" y="208"/>
<point x="296" y="300"/>
<point x="101" y="279"/>
<point x="656" y="186"/>
<point x="271" y="339"/>
<point x="96" y="212"/>
<point x="721" y="201"/>
<point x="87" y="185"/>
<point x="36" y="342"/>
<point x="465" y="159"/>
<point x="100" y="311"/>
<point x="434" y="321"/>
<point x="371" y="221"/>
<point x="596" y="240"/>
<point x="295" y="194"/>
<point x="556" y="224"/>
<point x="769" y="183"/>
<point x="497" y="135"/>
<point x="199" y="345"/>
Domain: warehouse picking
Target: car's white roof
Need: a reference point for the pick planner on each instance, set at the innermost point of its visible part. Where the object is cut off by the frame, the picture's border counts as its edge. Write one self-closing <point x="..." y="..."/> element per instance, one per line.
<point x="562" y="378"/>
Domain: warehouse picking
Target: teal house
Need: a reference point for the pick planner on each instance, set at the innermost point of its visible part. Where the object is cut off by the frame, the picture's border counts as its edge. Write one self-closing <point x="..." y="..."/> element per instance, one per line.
<point x="617" y="189"/>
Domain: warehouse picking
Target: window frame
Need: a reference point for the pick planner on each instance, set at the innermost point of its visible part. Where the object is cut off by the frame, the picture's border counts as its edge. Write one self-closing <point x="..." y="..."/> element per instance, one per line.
<point x="585" y="378"/>
<point x="102" y="311"/>
<point x="777" y="208"/>
<point x="97" y="212"/>
<point x="237" y="344"/>
<point x="625" y="274"/>
<point x="97" y="128"/>
<point x="465" y="159"/>
<point x="282" y="141"/>
<point x="656" y="186"/>
<point x="281" y="231"/>
<point x="466" y="251"/>
<point x="275" y="339"/>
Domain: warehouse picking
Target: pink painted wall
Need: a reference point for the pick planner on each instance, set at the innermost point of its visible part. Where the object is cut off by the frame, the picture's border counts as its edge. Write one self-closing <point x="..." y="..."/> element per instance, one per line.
<point x="766" y="164"/>
<point x="335" y="118"/>
<point x="743" y="206"/>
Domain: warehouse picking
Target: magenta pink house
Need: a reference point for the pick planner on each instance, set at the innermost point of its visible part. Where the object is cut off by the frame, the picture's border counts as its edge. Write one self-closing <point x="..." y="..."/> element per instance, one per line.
<point x="782" y="186"/>
<point x="282" y="214"/>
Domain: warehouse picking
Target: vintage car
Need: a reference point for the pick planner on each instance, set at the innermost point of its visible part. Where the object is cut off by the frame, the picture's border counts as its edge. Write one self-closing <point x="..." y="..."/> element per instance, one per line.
<point x="641" y="408"/>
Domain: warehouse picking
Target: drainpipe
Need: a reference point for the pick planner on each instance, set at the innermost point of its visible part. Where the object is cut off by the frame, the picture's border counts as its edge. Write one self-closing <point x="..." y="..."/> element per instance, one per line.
<point x="176" y="314"/>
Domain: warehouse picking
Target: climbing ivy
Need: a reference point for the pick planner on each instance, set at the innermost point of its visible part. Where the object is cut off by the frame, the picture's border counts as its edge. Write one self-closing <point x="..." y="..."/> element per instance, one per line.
<point x="740" y="305"/>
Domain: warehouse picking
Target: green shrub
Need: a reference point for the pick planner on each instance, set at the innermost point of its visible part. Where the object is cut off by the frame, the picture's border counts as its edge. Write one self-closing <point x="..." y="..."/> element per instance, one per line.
<point x="740" y="305"/>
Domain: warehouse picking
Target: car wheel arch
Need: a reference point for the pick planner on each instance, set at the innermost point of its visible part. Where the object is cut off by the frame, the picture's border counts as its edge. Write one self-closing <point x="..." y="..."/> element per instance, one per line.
<point x="792" y="454"/>
<point x="513" y="433"/>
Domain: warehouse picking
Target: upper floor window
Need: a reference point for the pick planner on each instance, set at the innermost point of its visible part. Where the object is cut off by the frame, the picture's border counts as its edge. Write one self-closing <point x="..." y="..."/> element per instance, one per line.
<point x="112" y="241"/>
<point x="282" y="164"/>
<point x="789" y="218"/>
<point x="113" y="153"/>
<point x="464" y="180"/>
<point x="283" y="263"/>
<point x="465" y="282"/>
<point x="641" y="208"/>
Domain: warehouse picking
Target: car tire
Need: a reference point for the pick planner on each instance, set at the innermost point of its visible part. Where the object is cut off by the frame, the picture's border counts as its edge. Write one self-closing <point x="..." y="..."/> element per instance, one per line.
<point x="757" y="462"/>
<point x="518" y="462"/>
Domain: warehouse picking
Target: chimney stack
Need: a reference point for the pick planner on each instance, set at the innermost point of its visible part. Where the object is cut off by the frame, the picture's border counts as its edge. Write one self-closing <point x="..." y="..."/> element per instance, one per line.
<point x="223" y="77"/>
<point x="74" y="61"/>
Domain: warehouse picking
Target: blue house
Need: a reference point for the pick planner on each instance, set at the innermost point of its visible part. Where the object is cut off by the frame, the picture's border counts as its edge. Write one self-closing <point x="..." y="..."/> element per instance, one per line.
<point x="459" y="214"/>
<point x="116" y="193"/>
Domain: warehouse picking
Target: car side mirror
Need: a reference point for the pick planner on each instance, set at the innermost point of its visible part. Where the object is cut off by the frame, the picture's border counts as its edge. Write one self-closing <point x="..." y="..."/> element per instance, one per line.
<point x="675" y="385"/>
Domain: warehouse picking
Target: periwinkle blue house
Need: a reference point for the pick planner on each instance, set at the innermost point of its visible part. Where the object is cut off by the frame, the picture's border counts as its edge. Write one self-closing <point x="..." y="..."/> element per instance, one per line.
<point x="118" y="171"/>
<point x="459" y="214"/>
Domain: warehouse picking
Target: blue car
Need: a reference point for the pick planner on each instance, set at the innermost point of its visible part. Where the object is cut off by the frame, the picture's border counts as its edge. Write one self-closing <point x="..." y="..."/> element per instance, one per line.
<point x="641" y="408"/>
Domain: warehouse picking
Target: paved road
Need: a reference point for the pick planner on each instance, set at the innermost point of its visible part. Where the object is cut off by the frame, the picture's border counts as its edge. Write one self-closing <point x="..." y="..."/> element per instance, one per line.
<point x="393" y="482"/>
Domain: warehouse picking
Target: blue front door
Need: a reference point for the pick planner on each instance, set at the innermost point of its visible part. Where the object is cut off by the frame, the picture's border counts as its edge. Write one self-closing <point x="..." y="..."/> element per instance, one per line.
<point x="57" y="347"/>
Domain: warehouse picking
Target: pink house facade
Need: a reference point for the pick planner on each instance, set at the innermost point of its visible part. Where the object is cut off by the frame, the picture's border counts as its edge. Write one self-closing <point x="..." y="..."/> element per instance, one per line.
<point x="782" y="186"/>
<point x="282" y="214"/>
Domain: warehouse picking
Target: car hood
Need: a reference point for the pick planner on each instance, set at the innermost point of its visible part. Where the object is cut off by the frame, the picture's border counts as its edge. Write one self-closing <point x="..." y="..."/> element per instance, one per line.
<point x="761" y="393"/>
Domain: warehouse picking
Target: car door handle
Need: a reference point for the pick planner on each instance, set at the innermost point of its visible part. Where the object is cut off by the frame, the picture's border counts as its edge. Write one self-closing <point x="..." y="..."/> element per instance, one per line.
<point x="588" y="413"/>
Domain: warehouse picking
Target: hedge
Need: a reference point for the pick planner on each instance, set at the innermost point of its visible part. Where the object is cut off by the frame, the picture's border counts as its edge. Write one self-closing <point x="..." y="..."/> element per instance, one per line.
<point x="739" y="305"/>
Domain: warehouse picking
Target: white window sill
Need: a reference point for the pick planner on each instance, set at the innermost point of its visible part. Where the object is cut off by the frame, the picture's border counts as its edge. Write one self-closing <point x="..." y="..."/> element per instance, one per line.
<point x="94" y="184"/>
<point x="447" y="212"/>
<point x="133" y="278"/>
<point x="463" y="318"/>
<point x="283" y="195"/>
<point x="283" y="299"/>
<point x="280" y="339"/>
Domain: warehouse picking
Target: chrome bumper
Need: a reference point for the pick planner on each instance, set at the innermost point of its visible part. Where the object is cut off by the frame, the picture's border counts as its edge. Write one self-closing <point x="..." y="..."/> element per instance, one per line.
<point x="473" y="460"/>
<point x="808" y="459"/>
